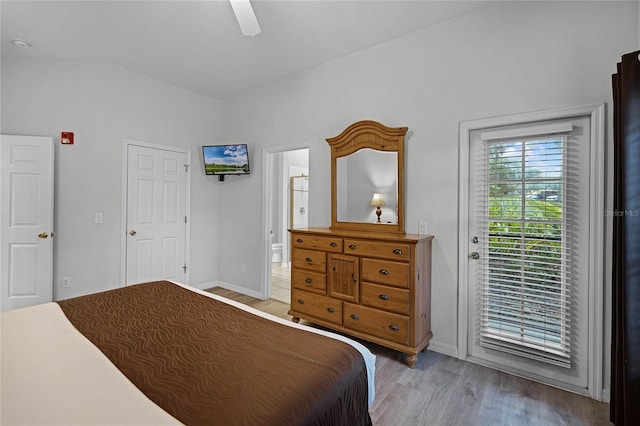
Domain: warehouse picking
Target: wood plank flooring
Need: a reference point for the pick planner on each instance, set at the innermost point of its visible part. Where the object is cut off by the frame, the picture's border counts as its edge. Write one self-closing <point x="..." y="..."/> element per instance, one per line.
<point x="442" y="390"/>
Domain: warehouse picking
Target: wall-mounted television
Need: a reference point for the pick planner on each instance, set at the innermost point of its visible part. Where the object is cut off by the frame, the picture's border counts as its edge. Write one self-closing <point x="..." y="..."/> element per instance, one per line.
<point x="225" y="160"/>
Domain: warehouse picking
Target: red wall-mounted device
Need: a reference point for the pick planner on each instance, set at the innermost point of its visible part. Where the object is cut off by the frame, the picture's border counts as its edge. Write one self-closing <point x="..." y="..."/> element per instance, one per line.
<point x="66" y="138"/>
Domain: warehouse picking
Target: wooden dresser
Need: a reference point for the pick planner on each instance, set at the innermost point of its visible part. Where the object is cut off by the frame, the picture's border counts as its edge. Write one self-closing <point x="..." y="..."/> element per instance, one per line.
<point x="374" y="286"/>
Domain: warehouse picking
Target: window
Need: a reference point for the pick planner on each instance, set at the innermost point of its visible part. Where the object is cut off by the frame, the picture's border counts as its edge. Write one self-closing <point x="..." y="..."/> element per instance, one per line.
<point x="525" y="295"/>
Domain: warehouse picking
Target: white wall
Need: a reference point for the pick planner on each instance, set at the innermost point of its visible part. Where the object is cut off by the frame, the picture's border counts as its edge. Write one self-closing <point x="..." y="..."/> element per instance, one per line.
<point x="103" y="104"/>
<point x="508" y="57"/>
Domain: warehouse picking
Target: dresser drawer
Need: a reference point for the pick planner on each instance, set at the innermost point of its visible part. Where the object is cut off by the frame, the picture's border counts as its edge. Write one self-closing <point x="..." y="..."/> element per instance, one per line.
<point x="385" y="272"/>
<point x="315" y="282"/>
<point x="317" y="306"/>
<point x="305" y="241"/>
<point x="384" y="297"/>
<point x="394" y="251"/>
<point x="310" y="259"/>
<point x="382" y="324"/>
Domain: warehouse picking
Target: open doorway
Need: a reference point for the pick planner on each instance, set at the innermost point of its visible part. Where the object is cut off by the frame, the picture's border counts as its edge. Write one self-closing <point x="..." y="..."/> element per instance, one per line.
<point x="287" y="194"/>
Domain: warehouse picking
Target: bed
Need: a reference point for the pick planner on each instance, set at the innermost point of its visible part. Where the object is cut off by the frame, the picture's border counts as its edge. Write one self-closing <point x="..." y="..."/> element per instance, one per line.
<point x="165" y="353"/>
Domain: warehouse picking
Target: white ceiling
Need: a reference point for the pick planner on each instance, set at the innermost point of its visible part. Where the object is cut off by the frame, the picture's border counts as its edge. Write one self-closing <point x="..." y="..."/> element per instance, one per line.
<point x="198" y="44"/>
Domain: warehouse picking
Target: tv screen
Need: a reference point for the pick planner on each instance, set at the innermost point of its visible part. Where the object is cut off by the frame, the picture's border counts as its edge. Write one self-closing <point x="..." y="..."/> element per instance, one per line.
<point x="226" y="159"/>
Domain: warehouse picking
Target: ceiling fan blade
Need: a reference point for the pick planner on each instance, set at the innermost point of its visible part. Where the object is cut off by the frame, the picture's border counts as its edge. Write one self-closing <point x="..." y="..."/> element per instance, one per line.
<point x="245" y="16"/>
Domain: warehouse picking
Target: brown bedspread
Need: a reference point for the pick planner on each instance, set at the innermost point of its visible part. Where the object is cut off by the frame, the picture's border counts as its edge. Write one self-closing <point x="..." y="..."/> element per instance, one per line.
<point x="206" y="362"/>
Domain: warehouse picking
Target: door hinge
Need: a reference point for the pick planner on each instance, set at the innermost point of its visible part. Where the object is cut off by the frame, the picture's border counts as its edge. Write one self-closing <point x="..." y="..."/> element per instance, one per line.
<point x="185" y="268"/>
<point x="186" y="168"/>
<point x="185" y="219"/>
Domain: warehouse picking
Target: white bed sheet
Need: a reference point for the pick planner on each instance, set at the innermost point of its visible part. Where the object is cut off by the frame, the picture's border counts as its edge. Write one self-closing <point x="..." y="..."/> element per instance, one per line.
<point x="51" y="374"/>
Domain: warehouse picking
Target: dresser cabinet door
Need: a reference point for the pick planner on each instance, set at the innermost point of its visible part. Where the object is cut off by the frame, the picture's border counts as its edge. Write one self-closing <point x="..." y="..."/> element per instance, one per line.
<point x="343" y="277"/>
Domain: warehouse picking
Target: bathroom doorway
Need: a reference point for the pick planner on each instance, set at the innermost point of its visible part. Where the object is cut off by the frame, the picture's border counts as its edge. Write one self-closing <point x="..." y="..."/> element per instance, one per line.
<point x="287" y="192"/>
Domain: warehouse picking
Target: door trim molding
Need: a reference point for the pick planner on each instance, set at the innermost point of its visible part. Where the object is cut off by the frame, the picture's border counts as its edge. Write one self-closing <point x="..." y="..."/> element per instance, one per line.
<point x="267" y="192"/>
<point x="123" y="213"/>
<point x="596" y="112"/>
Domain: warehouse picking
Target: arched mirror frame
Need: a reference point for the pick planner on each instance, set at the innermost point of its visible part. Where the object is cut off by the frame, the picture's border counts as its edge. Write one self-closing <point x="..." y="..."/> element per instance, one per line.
<point x="368" y="134"/>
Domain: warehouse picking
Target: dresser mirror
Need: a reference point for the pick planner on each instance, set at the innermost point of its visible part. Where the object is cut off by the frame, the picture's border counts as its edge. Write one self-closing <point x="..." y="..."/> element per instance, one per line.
<point x="367" y="178"/>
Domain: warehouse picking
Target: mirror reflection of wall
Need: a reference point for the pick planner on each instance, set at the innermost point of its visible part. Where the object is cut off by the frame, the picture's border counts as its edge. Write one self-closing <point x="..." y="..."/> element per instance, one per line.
<point x="358" y="177"/>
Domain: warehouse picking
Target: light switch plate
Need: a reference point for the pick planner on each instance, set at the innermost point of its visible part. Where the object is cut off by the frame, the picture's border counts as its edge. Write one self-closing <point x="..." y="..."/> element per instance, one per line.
<point x="423" y="228"/>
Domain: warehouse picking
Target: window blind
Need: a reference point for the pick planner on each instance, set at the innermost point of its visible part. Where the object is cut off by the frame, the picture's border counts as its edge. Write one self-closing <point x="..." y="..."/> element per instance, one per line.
<point x="524" y="292"/>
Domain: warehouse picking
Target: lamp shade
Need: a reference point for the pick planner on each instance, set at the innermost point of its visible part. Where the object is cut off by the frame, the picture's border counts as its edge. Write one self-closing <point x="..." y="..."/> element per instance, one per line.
<point x="377" y="200"/>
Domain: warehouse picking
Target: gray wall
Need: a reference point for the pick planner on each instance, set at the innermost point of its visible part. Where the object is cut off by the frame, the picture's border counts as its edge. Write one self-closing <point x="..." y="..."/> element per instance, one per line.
<point x="509" y="57"/>
<point x="103" y="104"/>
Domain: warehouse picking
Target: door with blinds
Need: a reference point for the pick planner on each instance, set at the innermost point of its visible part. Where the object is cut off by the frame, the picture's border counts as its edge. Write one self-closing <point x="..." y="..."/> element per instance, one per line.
<point x="529" y="250"/>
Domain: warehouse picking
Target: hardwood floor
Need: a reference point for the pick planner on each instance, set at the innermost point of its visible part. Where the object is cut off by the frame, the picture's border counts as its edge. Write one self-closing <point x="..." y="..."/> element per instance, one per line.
<point x="442" y="390"/>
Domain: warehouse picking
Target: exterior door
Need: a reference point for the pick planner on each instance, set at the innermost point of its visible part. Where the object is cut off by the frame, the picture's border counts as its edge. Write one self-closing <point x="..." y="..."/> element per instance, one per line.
<point x="26" y="220"/>
<point x="529" y="244"/>
<point x="156" y="214"/>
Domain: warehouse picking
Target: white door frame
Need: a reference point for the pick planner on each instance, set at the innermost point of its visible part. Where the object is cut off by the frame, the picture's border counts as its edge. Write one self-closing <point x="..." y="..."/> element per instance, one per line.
<point x="596" y="228"/>
<point x="267" y="195"/>
<point x="123" y="215"/>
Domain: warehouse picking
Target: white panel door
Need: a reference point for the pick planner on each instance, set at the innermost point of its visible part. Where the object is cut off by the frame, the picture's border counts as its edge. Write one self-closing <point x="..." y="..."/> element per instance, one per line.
<point x="156" y="214"/>
<point x="26" y="221"/>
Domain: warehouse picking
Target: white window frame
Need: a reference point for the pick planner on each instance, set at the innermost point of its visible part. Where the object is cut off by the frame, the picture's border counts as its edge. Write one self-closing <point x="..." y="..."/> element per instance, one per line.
<point x="596" y="228"/>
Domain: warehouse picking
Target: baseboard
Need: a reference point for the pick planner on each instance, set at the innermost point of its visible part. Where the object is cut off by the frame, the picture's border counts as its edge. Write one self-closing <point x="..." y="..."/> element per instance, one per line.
<point x="232" y="287"/>
<point x="443" y="348"/>
<point x="205" y="286"/>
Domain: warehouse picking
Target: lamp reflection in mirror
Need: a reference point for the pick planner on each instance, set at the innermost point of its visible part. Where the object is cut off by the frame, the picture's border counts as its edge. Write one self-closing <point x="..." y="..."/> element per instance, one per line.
<point x="377" y="201"/>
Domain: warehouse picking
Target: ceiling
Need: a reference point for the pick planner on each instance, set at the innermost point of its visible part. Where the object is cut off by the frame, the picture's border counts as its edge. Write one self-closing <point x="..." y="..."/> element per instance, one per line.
<point x="198" y="45"/>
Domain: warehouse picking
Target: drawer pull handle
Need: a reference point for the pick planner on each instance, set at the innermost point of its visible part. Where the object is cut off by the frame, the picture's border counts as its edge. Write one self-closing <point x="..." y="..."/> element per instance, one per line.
<point x="333" y="244"/>
<point x="384" y="272"/>
<point x="308" y="260"/>
<point x="397" y="251"/>
<point x="299" y="240"/>
<point x="355" y="317"/>
<point x="384" y="297"/>
<point x="353" y="246"/>
<point x="301" y="301"/>
<point x="331" y="310"/>
<point x="394" y="327"/>
<point x="308" y="280"/>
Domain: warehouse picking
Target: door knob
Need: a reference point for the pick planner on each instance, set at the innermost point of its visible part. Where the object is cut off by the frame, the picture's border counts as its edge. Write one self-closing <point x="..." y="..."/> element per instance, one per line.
<point x="43" y="235"/>
<point x="475" y="255"/>
<point x="132" y="232"/>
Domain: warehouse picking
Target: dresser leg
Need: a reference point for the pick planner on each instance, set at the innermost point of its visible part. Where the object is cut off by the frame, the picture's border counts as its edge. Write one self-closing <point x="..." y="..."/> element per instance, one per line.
<point x="295" y="319"/>
<point x="411" y="360"/>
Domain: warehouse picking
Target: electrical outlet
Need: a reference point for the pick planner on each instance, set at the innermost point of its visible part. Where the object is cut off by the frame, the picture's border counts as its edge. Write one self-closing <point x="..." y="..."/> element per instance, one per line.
<point x="66" y="282"/>
<point x="423" y="228"/>
<point x="243" y="268"/>
<point x="97" y="218"/>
